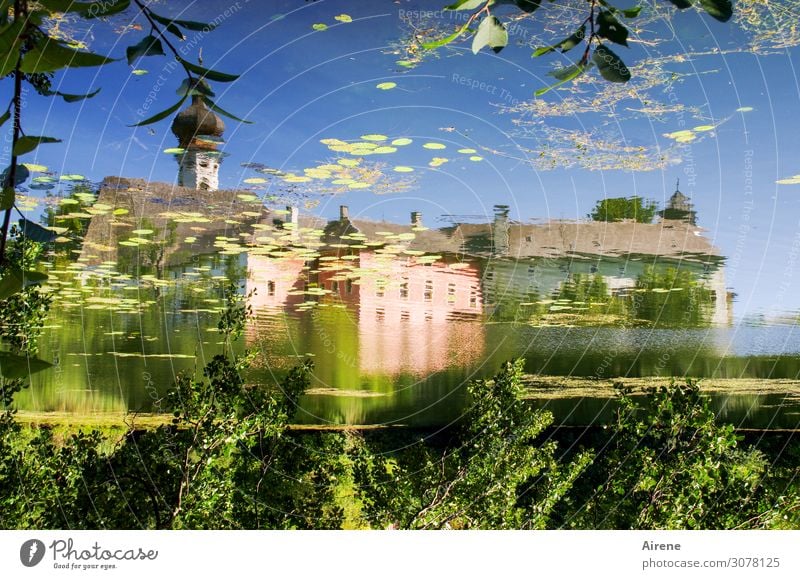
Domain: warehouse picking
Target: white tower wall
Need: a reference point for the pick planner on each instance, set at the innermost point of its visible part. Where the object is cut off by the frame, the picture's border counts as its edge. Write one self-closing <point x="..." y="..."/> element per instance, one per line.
<point x="199" y="169"/>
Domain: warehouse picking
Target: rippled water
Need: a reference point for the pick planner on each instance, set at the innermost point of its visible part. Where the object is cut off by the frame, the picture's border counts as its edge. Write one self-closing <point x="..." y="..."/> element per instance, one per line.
<point x="397" y="318"/>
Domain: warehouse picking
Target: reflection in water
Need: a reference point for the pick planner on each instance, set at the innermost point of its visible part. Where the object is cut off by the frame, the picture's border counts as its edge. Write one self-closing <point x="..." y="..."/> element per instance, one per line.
<point x="396" y="317"/>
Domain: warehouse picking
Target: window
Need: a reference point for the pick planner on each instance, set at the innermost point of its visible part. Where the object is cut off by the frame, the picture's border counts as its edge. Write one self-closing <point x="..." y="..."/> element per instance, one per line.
<point x="528" y="238"/>
<point x="404" y="290"/>
<point x="428" y="295"/>
<point x="335" y="286"/>
<point x="380" y="287"/>
<point x="473" y="299"/>
<point x="270" y="288"/>
<point x="451" y="293"/>
<point x="380" y="314"/>
<point x="348" y="286"/>
<point x="405" y="316"/>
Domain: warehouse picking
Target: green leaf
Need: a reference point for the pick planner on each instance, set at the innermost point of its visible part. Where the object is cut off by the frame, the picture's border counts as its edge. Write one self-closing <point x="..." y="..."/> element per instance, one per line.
<point x="194" y="87"/>
<point x="36" y="232"/>
<point x="162" y="115"/>
<point x="10" y="45"/>
<point x="20" y="176"/>
<point x="86" y="9"/>
<point x="567" y="44"/>
<point x="682" y="4"/>
<point x="4" y="117"/>
<point x="491" y="33"/>
<point x="563" y="75"/>
<point x="50" y="55"/>
<point x="631" y="12"/>
<point x="611" y="28"/>
<point x="7" y="198"/>
<point x="223" y="112"/>
<point x="446" y="39"/>
<point x="14" y="280"/>
<point x="466" y="5"/>
<point x="175" y="31"/>
<point x="610" y="65"/>
<point x="187" y="24"/>
<point x="27" y="144"/>
<point x="721" y="10"/>
<point x="148" y="46"/>
<point x="72" y="98"/>
<point x="13" y="367"/>
<point x="208" y="73"/>
<point x="528" y="5"/>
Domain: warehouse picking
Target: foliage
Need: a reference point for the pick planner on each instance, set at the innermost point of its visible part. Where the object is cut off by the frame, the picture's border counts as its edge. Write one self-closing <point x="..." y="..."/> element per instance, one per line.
<point x="603" y="21"/>
<point x="671" y="298"/>
<point x="226" y="461"/>
<point x="23" y="309"/>
<point x="493" y="475"/>
<point x="32" y="52"/>
<point x="622" y="208"/>
<point x="670" y="466"/>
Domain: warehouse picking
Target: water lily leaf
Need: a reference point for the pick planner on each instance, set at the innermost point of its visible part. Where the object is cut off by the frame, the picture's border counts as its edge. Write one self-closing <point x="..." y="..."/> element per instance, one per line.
<point x="386" y="85"/>
<point x="343" y="18"/>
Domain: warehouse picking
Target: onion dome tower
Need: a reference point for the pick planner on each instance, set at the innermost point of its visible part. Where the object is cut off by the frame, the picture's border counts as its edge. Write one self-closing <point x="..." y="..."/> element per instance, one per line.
<point x="199" y="131"/>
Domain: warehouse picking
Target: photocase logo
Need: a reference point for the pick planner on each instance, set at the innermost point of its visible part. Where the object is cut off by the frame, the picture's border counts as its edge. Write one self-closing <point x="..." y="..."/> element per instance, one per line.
<point x="32" y="552"/>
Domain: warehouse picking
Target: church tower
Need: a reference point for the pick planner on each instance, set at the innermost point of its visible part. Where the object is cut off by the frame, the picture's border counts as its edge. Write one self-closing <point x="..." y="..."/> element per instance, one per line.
<point x="679" y="207"/>
<point x="199" y="131"/>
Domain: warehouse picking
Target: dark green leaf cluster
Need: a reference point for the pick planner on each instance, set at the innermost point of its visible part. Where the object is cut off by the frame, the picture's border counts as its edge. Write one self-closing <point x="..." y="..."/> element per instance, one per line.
<point x="671" y="466"/>
<point x="603" y="22"/>
<point x="493" y="474"/>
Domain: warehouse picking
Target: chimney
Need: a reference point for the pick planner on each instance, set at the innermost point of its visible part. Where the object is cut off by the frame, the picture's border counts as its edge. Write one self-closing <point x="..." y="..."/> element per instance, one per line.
<point x="344" y="213"/>
<point x="416" y="219"/>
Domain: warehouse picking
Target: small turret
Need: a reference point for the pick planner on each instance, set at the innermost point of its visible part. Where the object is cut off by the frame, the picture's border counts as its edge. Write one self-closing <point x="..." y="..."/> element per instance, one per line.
<point x="679" y="207"/>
